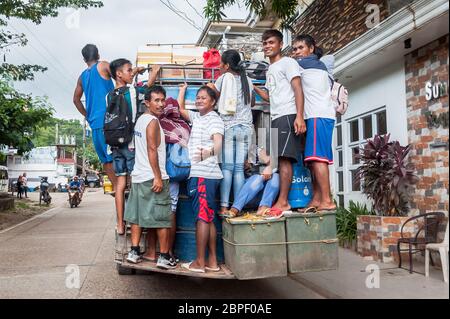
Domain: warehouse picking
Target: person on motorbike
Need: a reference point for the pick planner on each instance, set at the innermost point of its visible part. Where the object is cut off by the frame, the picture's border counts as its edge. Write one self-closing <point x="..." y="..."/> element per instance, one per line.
<point x="75" y="183"/>
<point x="44" y="190"/>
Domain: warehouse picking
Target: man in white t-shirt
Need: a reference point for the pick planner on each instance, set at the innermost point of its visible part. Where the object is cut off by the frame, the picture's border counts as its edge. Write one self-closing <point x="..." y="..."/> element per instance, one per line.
<point x="287" y="109"/>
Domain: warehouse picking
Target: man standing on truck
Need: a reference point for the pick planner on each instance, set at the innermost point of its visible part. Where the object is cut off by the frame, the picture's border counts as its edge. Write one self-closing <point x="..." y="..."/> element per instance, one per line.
<point x="286" y="110"/>
<point x="95" y="82"/>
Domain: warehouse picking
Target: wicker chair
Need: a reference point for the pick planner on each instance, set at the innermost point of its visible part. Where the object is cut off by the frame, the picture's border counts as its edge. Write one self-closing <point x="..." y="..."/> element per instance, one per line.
<point x="429" y="227"/>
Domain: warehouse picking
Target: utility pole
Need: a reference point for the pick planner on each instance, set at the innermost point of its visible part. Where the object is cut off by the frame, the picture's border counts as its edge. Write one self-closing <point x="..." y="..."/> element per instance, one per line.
<point x="84" y="148"/>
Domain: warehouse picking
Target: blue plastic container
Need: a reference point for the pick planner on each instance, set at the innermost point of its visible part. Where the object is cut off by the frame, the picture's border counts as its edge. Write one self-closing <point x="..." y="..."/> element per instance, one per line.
<point x="185" y="242"/>
<point x="301" y="188"/>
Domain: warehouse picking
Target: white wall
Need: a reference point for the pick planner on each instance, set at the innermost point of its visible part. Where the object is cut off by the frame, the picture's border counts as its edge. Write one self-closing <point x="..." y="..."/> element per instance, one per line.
<point x="372" y="91"/>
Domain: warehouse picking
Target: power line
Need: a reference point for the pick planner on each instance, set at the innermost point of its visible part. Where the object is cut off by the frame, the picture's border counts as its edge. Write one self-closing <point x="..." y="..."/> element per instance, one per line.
<point x="50" y="62"/>
<point x="177" y="12"/>
<point x="45" y="48"/>
<point x="196" y="11"/>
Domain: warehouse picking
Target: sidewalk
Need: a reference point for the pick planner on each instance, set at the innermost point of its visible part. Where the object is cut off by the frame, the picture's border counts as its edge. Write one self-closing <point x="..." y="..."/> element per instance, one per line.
<point x="349" y="281"/>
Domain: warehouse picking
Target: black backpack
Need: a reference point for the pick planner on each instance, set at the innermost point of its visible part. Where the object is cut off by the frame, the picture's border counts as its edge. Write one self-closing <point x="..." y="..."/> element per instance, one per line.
<point x="118" y="124"/>
<point x="256" y="70"/>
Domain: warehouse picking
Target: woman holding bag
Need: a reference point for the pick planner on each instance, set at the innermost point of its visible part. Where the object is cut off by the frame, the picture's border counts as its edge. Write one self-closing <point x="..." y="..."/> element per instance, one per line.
<point x="234" y="89"/>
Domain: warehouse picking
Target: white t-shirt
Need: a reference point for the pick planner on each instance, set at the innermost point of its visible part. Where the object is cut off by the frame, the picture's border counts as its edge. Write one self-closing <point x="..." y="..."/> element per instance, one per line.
<point x="317" y="92"/>
<point x="203" y="128"/>
<point x="142" y="171"/>
<point x="279" y="77"/>
<point x="243" y="115"/>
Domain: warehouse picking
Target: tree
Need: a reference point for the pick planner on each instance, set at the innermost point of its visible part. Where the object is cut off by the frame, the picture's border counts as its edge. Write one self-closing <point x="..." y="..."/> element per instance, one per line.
<point x="286" y="10"/>
<point x="46" y="132"/>
<point x="21" y="114"/>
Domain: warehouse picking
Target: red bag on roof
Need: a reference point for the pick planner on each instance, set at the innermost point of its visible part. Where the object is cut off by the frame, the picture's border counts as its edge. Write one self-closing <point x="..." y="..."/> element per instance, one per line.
<point x="211" y="59"/>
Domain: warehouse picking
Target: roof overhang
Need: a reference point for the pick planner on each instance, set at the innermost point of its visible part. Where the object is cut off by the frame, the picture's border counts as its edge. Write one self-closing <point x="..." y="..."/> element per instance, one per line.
<point x="423" y="21"/>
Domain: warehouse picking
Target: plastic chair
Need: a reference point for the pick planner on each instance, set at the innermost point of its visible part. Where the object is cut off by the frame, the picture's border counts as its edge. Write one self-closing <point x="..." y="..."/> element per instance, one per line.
<point x="429" y="227"/>
<point x="443" y="251"/>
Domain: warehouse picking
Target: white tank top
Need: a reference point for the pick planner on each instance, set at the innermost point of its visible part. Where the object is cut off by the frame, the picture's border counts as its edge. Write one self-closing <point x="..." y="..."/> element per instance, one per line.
<point x="142" y="171"/>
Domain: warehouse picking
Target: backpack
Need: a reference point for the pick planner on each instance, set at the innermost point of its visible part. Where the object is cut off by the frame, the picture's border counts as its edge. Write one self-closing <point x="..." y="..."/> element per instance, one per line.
<point x="118" y="125"/>
<point x="256" y="70"/>
<point x="339" y="95"/>
<point x="178" y="165"/>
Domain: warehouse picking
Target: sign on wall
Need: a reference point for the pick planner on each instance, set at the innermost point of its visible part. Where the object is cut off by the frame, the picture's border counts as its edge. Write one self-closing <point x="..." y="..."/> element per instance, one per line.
<point x="435" y="90"/>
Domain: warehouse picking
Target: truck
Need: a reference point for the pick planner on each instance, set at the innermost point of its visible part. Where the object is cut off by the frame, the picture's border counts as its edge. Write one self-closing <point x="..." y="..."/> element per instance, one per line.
<point x="248" y="247"/>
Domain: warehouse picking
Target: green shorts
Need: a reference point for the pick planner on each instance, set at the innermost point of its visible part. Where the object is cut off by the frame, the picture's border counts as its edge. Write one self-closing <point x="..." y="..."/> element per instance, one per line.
<point x="147" y="208"/>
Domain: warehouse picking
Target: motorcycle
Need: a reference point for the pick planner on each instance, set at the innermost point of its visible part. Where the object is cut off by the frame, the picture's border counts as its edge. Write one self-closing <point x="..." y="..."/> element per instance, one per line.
<point x="44" y="195"/>
<point x="74" y="197"/>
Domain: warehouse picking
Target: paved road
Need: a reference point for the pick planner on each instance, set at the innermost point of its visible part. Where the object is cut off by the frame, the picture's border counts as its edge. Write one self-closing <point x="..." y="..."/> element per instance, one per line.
<point x="35" y="256"/>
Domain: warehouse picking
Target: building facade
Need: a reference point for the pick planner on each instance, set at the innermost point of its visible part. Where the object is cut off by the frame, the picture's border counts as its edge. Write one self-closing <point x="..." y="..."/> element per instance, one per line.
<point x="393" y="58"/>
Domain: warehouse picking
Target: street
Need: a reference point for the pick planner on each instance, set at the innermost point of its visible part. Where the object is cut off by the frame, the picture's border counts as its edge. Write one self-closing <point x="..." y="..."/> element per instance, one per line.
<point x="42" y="255"/>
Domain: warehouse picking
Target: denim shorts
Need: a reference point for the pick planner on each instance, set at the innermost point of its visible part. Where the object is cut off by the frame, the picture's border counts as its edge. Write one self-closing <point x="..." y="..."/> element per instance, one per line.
<point x="123" y="160"/>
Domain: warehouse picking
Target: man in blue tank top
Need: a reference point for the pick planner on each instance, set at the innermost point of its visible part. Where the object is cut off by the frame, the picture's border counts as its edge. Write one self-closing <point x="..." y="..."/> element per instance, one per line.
<point x="95" y="83"/>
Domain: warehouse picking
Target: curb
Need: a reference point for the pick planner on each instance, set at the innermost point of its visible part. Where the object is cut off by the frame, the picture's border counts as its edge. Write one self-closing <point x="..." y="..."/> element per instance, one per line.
<point x="31" y="219"/>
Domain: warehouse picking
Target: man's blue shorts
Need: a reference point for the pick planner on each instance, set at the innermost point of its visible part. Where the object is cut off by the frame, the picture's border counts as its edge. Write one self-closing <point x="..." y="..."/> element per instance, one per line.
<point x="319" y="140"/>
<point x="98" y="138"/>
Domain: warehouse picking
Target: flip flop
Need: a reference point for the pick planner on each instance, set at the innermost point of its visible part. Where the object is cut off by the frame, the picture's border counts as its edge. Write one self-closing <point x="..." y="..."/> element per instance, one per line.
<point x="264" y="212"/>
<point x="188" y="267"/>
<point x="324" y="210"/>
<point x="227" y="214"/>
<point x="212" y="269"/>
<point x="274" y="213"/>
<point x="311" y="209"/>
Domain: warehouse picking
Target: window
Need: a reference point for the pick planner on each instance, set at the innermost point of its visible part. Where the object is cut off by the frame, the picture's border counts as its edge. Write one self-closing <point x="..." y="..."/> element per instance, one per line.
<point x="17" y="160"/>
<point x="356" y="185"/>
<point x="381" y="123"/>
<point x="351" y="136"/>
<point x="354" y="131"/>
<point x="367" y="126"/>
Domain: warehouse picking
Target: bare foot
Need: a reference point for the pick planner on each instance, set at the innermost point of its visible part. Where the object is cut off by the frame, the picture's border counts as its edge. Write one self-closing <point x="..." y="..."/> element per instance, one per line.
<point x="282" y="206"/>
<point x="313" y="203"/>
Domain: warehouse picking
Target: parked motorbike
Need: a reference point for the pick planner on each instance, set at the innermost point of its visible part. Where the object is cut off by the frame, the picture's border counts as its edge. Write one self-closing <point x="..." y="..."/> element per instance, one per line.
<point x="74" y="197"/>
<point x="44" y="195"/>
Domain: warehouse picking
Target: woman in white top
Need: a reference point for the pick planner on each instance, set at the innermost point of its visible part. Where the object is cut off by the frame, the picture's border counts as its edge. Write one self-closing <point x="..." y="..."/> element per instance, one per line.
<point x="235" y="91"/>
<point x="205" y="145"/>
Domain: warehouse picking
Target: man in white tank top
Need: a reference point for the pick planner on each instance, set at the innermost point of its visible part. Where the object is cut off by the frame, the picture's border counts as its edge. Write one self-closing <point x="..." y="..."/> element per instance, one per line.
<point x="149" y="204"/>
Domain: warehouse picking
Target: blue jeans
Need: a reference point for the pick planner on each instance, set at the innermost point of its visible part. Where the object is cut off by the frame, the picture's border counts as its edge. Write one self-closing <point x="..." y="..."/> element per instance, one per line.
<point x="235" y="148"/>
<point x="123" y="160"/>
<point x="257" y="192"/>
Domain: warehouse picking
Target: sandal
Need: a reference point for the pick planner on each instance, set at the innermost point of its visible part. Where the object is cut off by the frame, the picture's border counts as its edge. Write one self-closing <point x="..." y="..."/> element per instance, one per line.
<point x="310" y="209"/>
<point x="274" y="213"/>
<point x="264" y="212"/>
<point x="227" y="214"/>
<point x="188" y="267"/>
<point x="212" y="269"/>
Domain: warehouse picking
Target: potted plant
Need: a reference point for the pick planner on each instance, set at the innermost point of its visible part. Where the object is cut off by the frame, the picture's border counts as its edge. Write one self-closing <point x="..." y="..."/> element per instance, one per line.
<point x="386" y="179"/>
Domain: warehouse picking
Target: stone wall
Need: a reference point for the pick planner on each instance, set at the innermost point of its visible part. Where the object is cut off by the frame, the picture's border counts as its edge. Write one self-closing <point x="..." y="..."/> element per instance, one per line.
<point x="428" y="136"/>
<point x="378" y="236"/>
<point x="335" y="23"/>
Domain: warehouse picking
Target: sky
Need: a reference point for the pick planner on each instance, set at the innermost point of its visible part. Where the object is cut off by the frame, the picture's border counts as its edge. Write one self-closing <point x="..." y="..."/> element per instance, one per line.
<point x="118" y="29"/>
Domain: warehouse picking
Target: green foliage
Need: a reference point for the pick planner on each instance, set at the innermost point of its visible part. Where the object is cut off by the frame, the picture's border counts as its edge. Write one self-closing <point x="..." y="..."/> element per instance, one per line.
<point x="385" y="175"/>
<point x="346" y="220"/>
<point x="283" y="9"/>
<point x="21" y="114"/>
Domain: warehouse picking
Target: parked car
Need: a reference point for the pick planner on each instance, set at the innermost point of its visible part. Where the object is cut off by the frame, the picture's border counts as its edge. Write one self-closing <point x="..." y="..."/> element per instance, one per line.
<point x="92" y="181"/>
